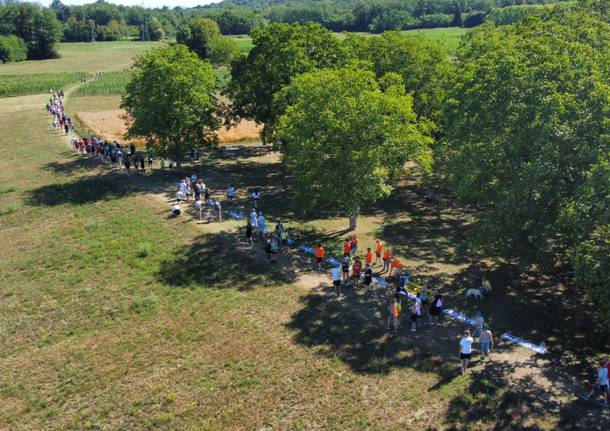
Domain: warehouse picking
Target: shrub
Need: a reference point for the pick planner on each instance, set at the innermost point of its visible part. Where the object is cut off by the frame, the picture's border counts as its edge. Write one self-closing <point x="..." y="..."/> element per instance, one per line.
<point x="144" y="250"/>
<point x="12" y="49"/>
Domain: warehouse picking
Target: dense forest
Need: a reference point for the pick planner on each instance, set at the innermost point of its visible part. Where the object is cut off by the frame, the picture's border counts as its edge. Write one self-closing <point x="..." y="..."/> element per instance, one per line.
<point x="39" y="28"/>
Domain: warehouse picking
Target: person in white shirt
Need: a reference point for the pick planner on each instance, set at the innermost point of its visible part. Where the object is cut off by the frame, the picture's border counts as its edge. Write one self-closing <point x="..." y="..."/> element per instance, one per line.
<point x="335" y="274"/>
<point x="176" y="209"/>
<point x="465" y="350"/>
<point x="218" y="207"/>
<point x="183" y="187"/>
<point x="179" y="196"/>
<point x="601" y="383"/>
<point x="415" y="313"/>
<point x="198" y="208"/>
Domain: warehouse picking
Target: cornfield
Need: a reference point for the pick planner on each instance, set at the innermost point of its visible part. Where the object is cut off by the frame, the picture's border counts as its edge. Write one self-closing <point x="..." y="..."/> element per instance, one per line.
<point x="20" y="85"/>
<point x="109" y="83"/>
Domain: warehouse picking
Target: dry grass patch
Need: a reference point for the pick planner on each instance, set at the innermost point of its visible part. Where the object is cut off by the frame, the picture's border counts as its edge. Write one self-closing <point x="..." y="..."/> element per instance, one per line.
<point x="112" y="125"/>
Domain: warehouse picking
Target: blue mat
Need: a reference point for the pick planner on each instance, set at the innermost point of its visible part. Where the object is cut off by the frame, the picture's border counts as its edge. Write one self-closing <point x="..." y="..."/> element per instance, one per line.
<point x="236" y="216"/>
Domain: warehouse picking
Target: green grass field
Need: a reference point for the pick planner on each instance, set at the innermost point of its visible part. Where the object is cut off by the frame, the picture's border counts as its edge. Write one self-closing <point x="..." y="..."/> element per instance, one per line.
<point x="448" y="37"/>
<point x="84" y="57"/>
<point x="244" y="43"/>
<point x="19" y="85"/>
<point x="110" y="83"/>
<point x="115" y="316"/>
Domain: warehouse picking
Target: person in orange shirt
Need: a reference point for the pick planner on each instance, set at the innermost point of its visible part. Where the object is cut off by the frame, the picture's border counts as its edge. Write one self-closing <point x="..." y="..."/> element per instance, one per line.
<point x="368" y="257"/>
<point x="347" y="248"/>
<point x="378" y="249"/>
<point x="319" y="254"/>
<point x="395" y="264"/>
<point x="387" y="256"/>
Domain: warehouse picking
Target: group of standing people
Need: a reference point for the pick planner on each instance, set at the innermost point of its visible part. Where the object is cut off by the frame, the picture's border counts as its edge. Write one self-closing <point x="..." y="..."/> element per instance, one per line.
<point x="425" y="308"/>
<point x="194" y="189"/>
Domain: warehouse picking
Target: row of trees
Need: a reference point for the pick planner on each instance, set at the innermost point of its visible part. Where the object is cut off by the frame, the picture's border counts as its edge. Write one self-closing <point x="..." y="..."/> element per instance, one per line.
<point x="103" y="21"/>
<point x="106" y="21"/>
<point x="517" y="126"/>
<point x="40" y="28"/>
<point x="376" y="15"/>
<point x="29" y="25"/>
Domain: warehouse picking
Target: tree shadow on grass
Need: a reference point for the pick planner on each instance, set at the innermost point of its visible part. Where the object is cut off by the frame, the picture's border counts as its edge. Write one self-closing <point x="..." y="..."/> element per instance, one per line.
<point x="85" y="190"/>
<point x="221" y="260"/>
<point x="269" y="177"/>
<point x="430" y="231"/>
<point x="74" y="165"/>
<point x="100" y="182"/>
<point x="354" y="330"/>
<point x="503" y="396"/>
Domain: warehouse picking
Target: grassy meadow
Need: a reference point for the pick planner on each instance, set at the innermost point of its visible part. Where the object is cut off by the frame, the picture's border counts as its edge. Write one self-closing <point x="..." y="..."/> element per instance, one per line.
<point x="19" y="85"/>
<point x="115" y="316"/>
<point x="448" y="37"/>
<point x="83" y="57"/>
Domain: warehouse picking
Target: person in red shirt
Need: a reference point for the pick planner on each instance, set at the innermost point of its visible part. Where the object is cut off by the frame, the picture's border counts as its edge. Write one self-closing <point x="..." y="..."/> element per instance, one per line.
<point x="319" y="255"/>
<point x="387" y="256"/>
<point x="368" y="257"/>
<point x="356" y="271"/>
<point x="347" y="248"/>
<point x="378" y="249"/>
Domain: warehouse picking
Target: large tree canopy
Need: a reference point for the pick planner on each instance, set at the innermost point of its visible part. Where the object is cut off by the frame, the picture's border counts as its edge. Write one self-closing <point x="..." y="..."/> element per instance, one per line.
<point x="528" y="120"/>
<point x="38" y="27"/>
<point x="170" y="100"/>
<point x="280" y="52"/>
<point x="422" y="63"/>
<point x="344" y="138"/>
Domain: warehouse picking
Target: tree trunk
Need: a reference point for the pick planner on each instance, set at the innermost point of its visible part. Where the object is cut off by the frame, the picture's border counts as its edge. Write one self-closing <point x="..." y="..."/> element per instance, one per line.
<point x="353" y="219"/>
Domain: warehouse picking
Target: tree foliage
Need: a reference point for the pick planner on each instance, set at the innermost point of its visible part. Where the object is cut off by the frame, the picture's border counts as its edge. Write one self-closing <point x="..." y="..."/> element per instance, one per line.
<point x="344" y="139"/>
<point x="422" y="63"/>
<point x="37" y="26"/>
<point x="528" y="119"/>
<point x="171" y="103"/>
<point x="12" y="49"/>
<point x="280" y="52"/>
<point x="203" y="37"/>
